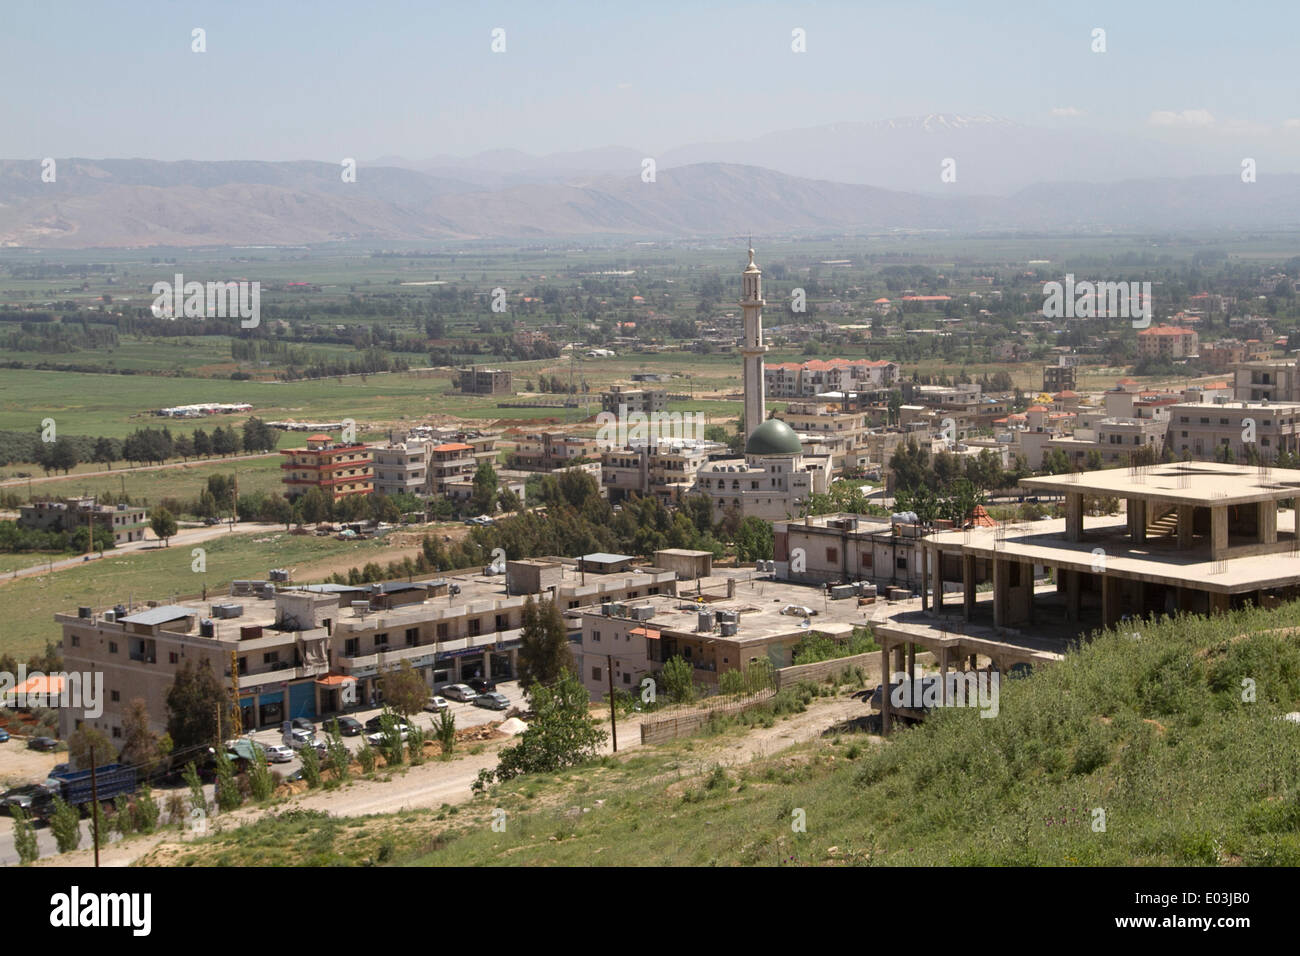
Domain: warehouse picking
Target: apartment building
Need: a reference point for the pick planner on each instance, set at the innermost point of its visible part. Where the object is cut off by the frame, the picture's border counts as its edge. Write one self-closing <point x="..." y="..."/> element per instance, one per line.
<point x="1237" y="431"/>
<point x="829" y="421"/>
<point x="547" y="451"/>
<point x="307" y="651"/>
<point x="484" y="381"/>
<point x="121" y="523"/>
<point x="402" y="467"/>
<point x="837" y="548"/>
<point x="636" y="639"/>
<point x="815" y="377"/>
<point x="1271" y="381"/>
<point x="1060" y="378"/>
<point x="339" y="469"/>
<point x="619" y="398"/>
<point x="664" y="469"/>
<point x="1167" y="343"/>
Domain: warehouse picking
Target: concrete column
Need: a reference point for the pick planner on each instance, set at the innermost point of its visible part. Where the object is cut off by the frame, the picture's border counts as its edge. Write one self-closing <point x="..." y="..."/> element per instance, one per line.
<point x="925" y="578"/>
<point x="1074" y="516"/>
<point x="938" y="579"/>
<point x="1267" y="522"/>
<point x="1137" y="509"/>
<point x="1219" y="603"/>
<point x="487" y="665"/>
<point x="1071" y="594"/>
<point x="898" y="658"/>
<point x="968" y="585"/>
<point x="1027" y="576"/>
<point x="1109" y="600"/>
<point x="999" y="592"/>
<point x="1218" y="531"/>
<point x="911" y="661"/>
<point x="1185" y="515"/>
<point x="884" y="691"/>
<point x="943" y="675"/>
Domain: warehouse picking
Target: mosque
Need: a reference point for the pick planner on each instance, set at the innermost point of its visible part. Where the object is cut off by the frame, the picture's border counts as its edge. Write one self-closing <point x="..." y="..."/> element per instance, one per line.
<point x="774" y="479"/>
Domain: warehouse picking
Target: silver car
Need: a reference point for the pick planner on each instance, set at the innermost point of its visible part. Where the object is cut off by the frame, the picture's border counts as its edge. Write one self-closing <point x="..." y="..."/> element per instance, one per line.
<point x="461" y="692"/>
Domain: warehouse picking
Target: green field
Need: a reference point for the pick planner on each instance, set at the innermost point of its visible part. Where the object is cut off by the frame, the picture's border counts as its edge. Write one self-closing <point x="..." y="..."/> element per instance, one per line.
<point x="159" y="574"/>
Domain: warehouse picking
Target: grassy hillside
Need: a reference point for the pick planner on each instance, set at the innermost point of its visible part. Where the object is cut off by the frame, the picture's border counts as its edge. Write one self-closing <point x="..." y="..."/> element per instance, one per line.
<point x="1151" y="729"/>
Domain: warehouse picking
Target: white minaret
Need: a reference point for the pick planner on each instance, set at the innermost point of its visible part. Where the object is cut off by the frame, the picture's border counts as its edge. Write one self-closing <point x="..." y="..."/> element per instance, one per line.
<point x="751" y="301"/>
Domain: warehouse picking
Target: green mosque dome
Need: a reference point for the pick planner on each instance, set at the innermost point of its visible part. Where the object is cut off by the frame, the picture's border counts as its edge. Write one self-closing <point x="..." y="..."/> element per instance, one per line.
<point x="773" y="437"/>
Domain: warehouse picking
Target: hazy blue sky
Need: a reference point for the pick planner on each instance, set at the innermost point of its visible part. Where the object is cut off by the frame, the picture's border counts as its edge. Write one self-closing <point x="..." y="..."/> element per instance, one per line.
<point x="326" y="79"/>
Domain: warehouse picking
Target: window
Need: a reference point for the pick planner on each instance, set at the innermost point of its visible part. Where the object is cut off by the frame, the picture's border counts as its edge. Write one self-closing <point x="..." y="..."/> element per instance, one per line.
<point x="381" y="640"/>
<point x="475" y="626"/>
<point x="866" y="559"/>
<point x="832" y="554"/>
<point x="117" y="733"/>
<point x="595" y="673"/>
<point x="595" y="636"/>
<point x="352" y="647"/>
<point x="172" y="657"/>
<point x="901" y="564"/>
<point x="271" y="657"/>
<point x="412" y="636"/>
<point x="442" y="631"/>
<point x="112" y="647"/>
<point x="115" y="696"/>
<point x="76" y="640"/>
<point x="627" y="678"/>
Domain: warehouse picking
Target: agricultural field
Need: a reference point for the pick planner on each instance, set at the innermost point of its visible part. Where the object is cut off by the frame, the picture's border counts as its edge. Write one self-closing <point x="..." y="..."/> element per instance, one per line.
<point x="165" y="573"/>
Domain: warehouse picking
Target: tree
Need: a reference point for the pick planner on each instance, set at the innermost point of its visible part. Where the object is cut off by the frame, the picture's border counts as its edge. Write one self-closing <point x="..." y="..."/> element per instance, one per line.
<point x="226" y="790"/>
<point x="260" y="782"/>
<point x="194" y="701"/>
<point x="24" y="837"/>
<point x="65" y="824"/>
<point x="679" y="680"/>
<point x="444" y="728"/>
<point x="561" y="734"/>
<point x="141" y="747"/>
<point x="484" y="495"/>
<point x="404" y="689"/>
<point x="107" y="451"/>
<point x="163" y="524"/>
<point x="754" y="540"/>
<point x="544" y="653"/>
<point x="83" y="740"/>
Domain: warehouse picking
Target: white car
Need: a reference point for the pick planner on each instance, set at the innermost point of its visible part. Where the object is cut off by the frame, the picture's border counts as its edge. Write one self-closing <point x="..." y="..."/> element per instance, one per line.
<point x="436" y="704"/>
<point x="798" y="610"/>
<point x="378" y="739"/>
<point x="278" y="753"/>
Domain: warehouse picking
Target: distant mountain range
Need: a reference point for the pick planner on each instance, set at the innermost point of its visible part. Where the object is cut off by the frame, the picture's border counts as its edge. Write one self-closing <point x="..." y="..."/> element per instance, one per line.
<point x="121" y="203"/>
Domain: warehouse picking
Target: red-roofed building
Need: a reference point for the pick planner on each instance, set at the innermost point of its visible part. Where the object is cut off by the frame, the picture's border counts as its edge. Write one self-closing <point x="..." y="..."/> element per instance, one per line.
<point x="338" y="469"/>
<point x="1167" y="343"/>
<point x="804" y="380"/>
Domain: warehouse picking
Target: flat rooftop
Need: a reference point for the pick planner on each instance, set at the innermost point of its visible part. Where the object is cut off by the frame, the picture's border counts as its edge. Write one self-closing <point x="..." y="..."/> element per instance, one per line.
<point x="1202" y="483"/>
<point x="759" y="621"/>
<point x="1155" y="560"/>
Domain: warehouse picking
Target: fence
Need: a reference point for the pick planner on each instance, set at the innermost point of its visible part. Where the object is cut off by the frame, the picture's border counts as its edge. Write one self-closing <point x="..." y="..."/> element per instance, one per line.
<point x="688" y="721"/>
<point x="820" y="670"/>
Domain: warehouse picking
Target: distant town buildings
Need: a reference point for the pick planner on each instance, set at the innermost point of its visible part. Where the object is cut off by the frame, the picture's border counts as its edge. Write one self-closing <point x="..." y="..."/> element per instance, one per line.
<point x="1167" y="343"/>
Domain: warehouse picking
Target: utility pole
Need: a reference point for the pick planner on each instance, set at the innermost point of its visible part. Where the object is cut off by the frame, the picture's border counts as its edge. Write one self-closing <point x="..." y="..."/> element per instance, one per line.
<point x="234" y="504"/>
<point x="613" y="724"/>
<point x="94" y="803"/>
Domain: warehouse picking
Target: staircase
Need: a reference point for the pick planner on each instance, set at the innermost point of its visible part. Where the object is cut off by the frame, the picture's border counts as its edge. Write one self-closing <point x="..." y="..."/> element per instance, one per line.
<point x="1166" y="526"/>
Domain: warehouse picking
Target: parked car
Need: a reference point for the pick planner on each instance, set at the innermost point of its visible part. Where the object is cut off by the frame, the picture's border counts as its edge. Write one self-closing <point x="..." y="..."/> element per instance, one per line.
<point x="798" y="610"/>
<point x="349" y="726"/>
<point x="4" y="735"/>
<point x="42" y="743"/>
<point x="302" y="723"/>
<point x="481" y="686"/>
<point x="459" y="692"/>
<point x="297" y="739"/>
<point x="379" y="740"/>
<point x="278" y="753"/>
<point x="375" y="722"/>
<point x="492" y="700"/>
<point x="436" y="704"/>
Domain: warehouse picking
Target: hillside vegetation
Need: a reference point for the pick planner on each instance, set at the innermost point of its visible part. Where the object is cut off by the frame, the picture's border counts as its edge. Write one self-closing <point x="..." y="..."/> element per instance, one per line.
<point x="1152" y="729"/>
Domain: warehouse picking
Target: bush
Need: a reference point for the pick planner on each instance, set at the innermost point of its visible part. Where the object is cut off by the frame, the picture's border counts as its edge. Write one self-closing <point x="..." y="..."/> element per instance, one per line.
<point x="144" y="812"/>
<point x="310" y="759"/>
<point x="260" y="783"/>
<point x="366" y="757"/>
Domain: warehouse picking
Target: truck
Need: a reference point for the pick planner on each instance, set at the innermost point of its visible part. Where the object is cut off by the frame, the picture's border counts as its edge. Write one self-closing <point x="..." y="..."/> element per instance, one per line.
<point x="73" y="787"/>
